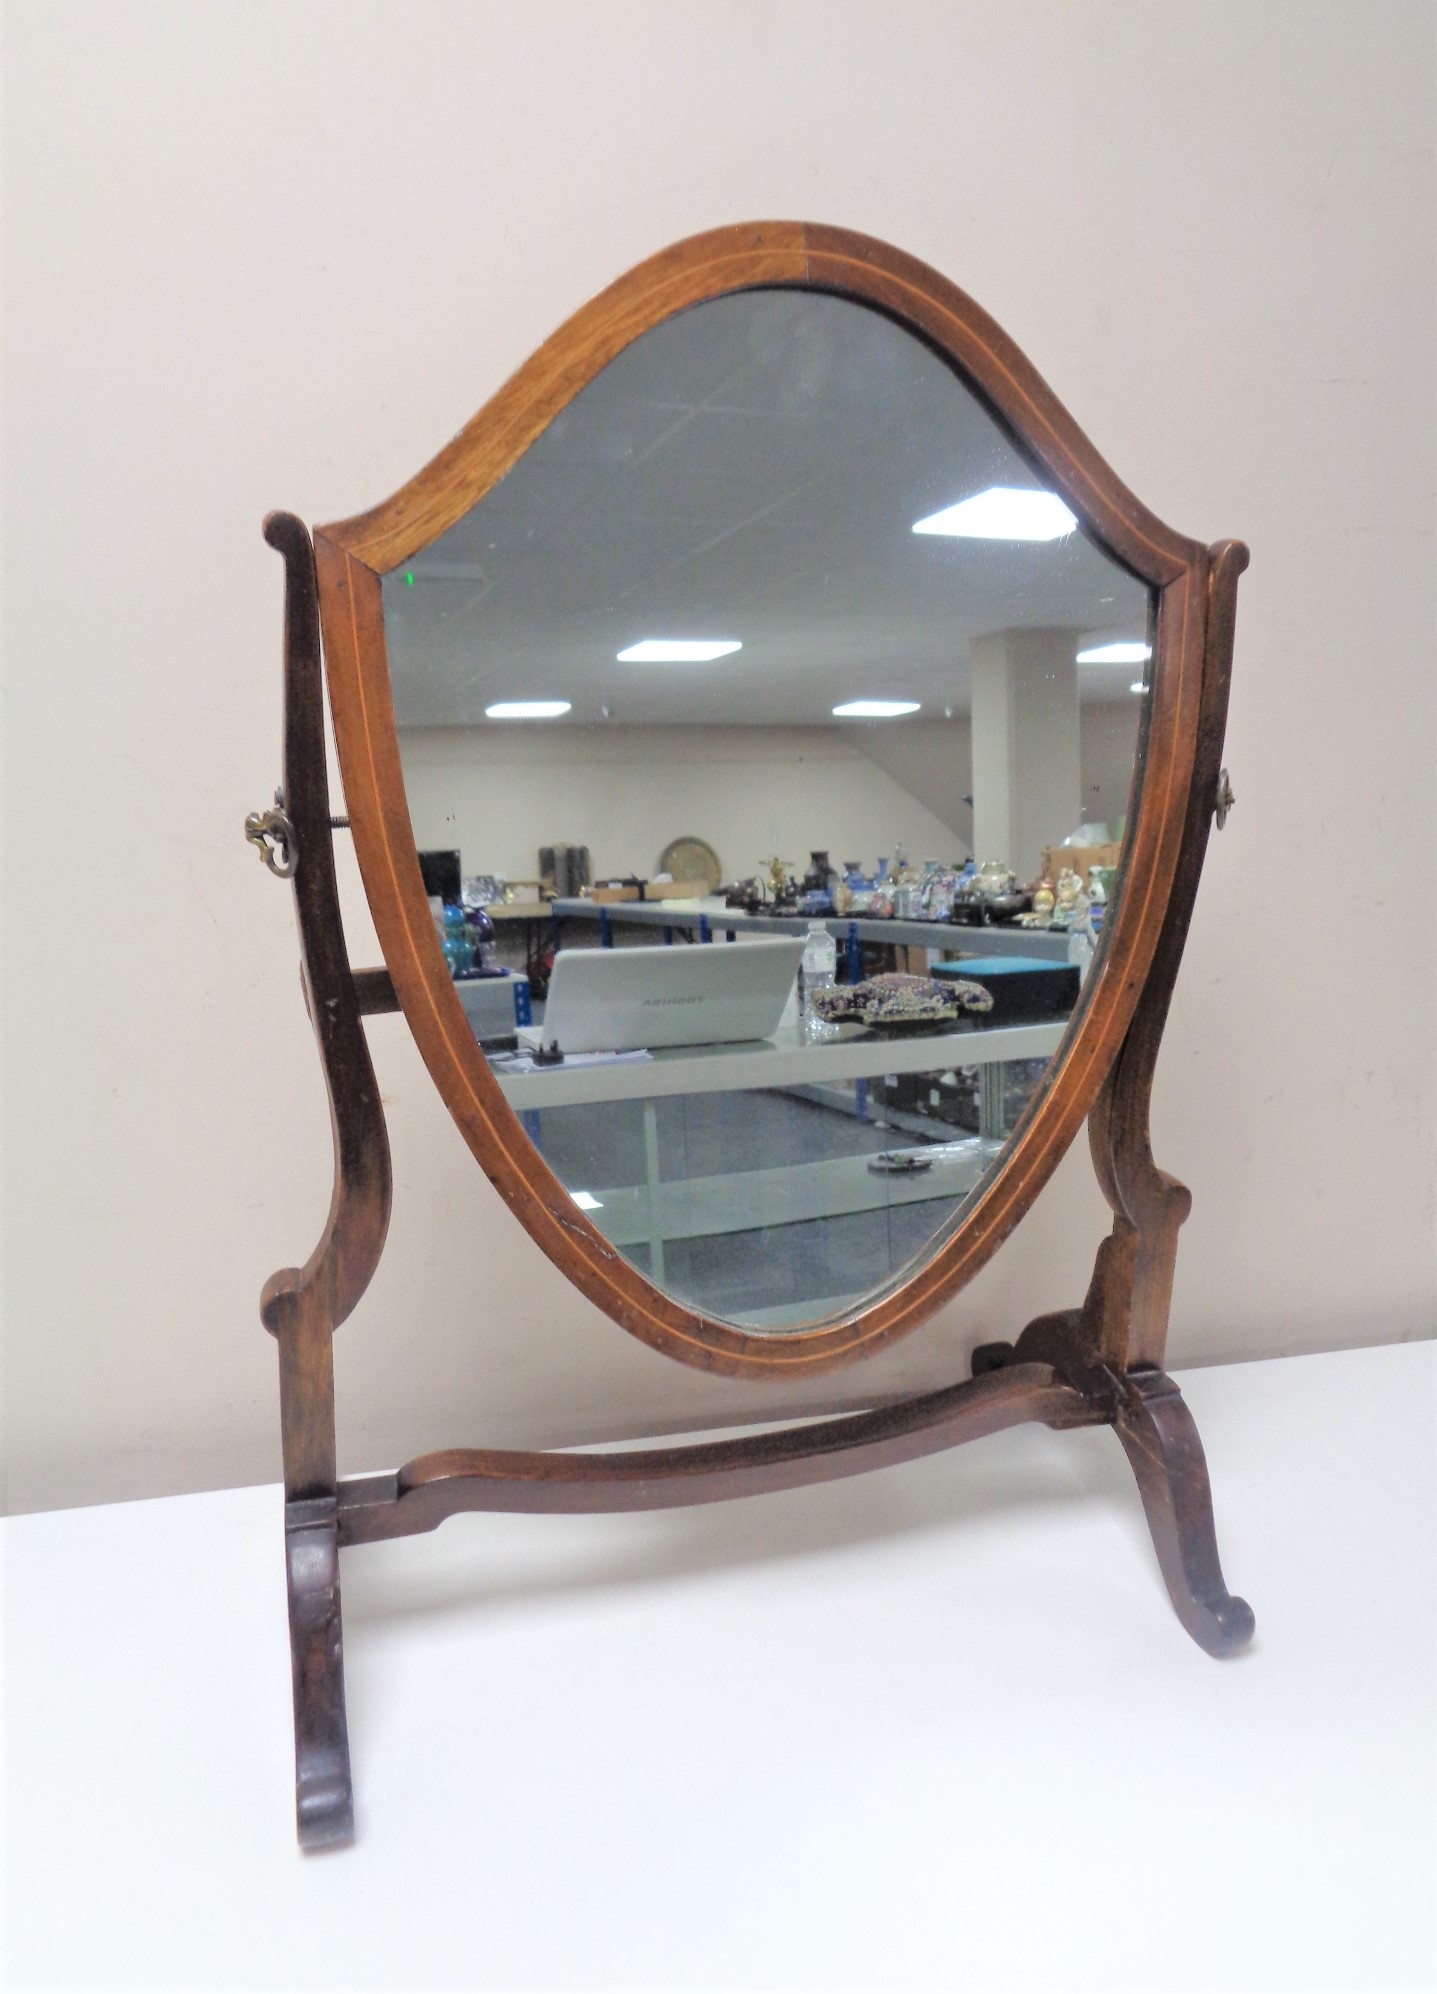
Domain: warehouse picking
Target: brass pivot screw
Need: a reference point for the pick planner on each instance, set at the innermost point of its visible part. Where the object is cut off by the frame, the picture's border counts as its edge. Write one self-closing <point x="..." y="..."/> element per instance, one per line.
<point x="272" y="835"/>
<point x="1224" y="800"/>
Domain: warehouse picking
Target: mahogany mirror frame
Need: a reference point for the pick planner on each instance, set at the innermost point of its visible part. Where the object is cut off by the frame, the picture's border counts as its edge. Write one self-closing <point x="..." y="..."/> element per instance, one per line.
<point x="1099" y="1363"/>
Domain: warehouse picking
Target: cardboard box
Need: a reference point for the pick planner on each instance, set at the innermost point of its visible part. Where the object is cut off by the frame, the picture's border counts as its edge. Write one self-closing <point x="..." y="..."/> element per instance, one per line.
<point x="667" y="889"/>
<point x="674" y="889"/>
<point x="1077" y="858"/>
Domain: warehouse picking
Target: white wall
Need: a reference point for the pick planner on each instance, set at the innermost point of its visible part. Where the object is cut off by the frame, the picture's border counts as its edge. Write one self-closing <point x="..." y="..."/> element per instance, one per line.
<point x="933" y="763"/>
<point x="1027" y="760"/>
<point x="263" y="254"/>
<point x="1108" y="730"/>
<point x="498" y="793"/>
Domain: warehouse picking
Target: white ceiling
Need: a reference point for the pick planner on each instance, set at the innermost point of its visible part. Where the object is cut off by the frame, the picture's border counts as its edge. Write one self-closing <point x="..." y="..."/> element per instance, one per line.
<point x="751" y="469"/>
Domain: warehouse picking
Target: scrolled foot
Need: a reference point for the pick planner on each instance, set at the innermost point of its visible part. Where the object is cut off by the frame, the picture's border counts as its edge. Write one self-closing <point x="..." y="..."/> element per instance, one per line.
<point x="1161" y="1442"/>
<point x="324" y="1803"/>
<point x="324" y="1809"/>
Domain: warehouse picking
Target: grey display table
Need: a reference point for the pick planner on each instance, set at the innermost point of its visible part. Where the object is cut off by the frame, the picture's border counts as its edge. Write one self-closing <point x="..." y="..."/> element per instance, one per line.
<point x="711" y="920"/>
<point x="782" y="1061"/>
<point x="661" y="1210"/>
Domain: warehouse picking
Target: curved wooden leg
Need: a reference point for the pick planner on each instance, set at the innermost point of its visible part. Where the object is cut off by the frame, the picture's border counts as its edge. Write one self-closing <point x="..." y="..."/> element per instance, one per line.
<point x="1161" y="1441"/>
<point x="324" y="1802"/>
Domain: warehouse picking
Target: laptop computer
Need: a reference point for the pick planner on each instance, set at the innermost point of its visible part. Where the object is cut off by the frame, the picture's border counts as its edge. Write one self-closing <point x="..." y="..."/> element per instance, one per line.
<point x="621" y="1000"/>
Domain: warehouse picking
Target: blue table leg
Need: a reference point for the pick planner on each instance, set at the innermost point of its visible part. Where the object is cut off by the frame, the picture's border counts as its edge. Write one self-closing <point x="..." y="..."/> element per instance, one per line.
<point x="529" y="1122"/>
<point x="705" y="931"/>
<point x="853" y="961"/>
<point x="606" y="939"/>
<point x="669" y="937"/>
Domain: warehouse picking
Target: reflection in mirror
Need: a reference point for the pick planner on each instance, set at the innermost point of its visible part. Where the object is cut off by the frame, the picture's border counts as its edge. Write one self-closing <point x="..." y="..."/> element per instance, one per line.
<point x="768" y="734"/>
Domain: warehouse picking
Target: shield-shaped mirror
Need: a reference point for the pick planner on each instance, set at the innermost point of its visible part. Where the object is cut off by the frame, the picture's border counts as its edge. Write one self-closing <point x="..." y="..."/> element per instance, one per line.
<point x="745" y="725"/>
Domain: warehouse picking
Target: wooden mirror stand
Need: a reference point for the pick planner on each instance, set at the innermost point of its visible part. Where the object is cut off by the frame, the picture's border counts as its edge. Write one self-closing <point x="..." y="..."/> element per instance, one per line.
<point x="1096" y="1364"/>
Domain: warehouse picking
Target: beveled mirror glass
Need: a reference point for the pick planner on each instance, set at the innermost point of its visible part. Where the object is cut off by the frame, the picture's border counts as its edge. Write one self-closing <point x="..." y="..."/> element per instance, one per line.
<point x="773" y="725"/>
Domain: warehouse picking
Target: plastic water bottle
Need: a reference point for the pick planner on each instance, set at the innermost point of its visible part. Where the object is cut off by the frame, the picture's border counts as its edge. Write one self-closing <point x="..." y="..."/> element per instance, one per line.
<point x="820" y="961"/>
<point x="1081" y="947"/>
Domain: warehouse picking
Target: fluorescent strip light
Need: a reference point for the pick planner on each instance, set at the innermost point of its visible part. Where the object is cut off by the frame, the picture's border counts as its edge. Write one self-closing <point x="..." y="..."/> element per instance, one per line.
<point x="679" y="650"/>
<point x="1127" y="653"/>
<point x="526" y="709"/>
<point x="875" y="709"/>
<point x="586" y="1201"/>
<point x="1003" y="512"/>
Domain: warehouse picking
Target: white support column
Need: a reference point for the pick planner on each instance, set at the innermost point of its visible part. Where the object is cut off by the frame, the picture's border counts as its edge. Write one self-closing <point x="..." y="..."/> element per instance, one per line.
<point x="1027" y="765"/>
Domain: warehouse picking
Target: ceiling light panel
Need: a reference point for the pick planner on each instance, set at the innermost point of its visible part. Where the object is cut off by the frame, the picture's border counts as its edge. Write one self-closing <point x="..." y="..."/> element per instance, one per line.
<point x="679" y="650"/>
<point x="1003" y="512"/>
<point x="1129" y="652"/>
<point x="875" y="709"/>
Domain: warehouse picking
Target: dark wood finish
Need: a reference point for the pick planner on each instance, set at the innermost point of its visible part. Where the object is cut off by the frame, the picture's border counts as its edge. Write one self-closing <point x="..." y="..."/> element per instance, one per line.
<point x="1089" y="1365"/>
<point x="351" y="558"/>
<point x="302" y="1306"/>
<point x="436" y="1486"/>
<point x="324" y="1803"/>
<point x="1111" y="1349"/>
<point x="1124" y="1320"/>
<point x="374" y="991"/>
<point x="343" y="1262"/>
<point x="1134" y="1279"/>
<point x="1161" y="1442"/>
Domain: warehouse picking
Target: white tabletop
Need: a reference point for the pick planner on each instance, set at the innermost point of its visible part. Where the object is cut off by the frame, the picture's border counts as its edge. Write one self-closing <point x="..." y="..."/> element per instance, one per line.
<point x="782" y="1061"/>
<point x="932" y="1727"/>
